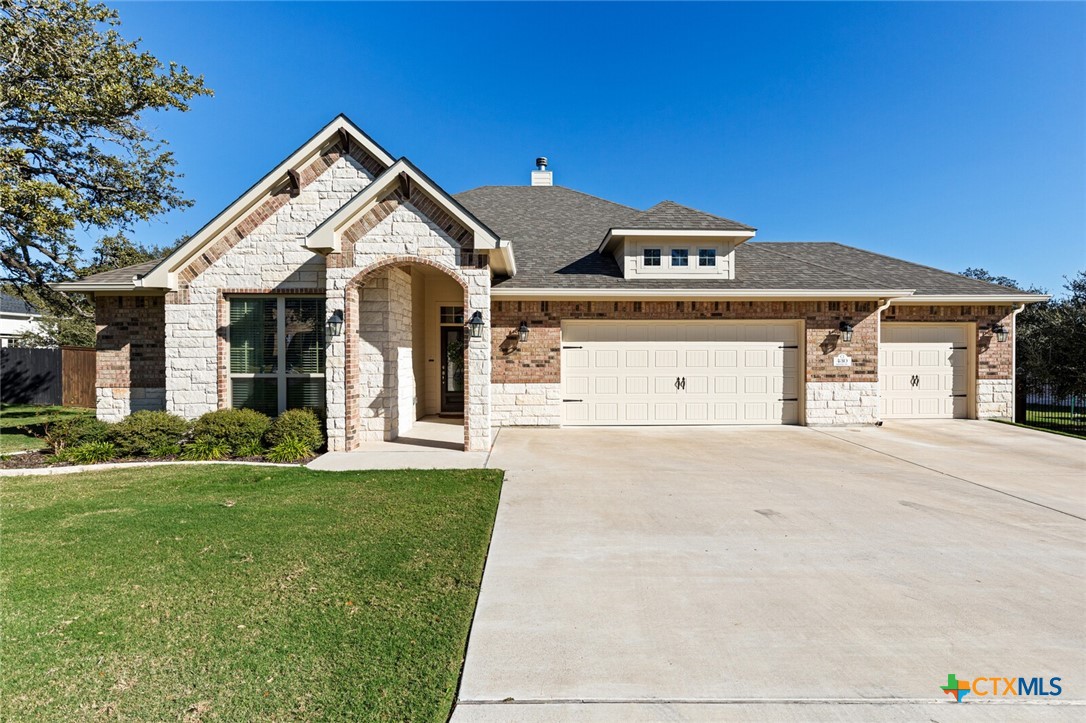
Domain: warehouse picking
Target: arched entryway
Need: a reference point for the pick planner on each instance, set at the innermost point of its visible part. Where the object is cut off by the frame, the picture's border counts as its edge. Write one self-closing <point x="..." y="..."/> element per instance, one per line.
<point x="406" y="356"/>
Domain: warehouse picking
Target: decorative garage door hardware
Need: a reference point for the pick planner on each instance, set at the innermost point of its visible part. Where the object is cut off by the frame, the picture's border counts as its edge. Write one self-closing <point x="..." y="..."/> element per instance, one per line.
<point x="790" y="347"/>
<point x="572" y="400"/>
<point x="915" y="381"/>
<point x="680" y="384"/>
<point x="573" y="347"/>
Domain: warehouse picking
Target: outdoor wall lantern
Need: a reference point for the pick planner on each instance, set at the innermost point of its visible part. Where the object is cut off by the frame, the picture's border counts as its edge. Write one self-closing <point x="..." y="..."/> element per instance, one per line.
<point x="335" y="323"/>
<point x="1000" y="332"/>
<point x="475" y="325"/>
<point x="846" y="331"/>
<point x="522" y="332"/>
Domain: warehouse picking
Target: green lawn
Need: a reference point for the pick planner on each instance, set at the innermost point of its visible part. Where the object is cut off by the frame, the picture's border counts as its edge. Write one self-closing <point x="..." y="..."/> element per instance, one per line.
<point x="19" y="423"/>
<point x="239" y="593"/>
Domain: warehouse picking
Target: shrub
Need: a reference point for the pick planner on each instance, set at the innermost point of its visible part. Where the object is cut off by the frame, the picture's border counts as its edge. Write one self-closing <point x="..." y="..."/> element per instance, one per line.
<point x="74" y="431"/>
<point x="238" y="429"/>
<point x="141" y="432"/>
<point x="249" y="449"/>
<point x="301" y="424"/>
<point x="90" y="453"/>
<point x="169" y="450"/>
<point x="290" y="449"/>
<point x="205" y="448"/>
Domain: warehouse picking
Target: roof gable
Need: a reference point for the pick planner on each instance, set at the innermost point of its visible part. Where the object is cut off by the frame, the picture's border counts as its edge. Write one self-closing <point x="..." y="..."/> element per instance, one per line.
<point x="668" y="215"/>
<point x="246" y="212"/>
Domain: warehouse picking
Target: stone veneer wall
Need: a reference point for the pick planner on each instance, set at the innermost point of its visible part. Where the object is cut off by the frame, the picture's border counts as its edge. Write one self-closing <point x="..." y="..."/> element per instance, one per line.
<point x="526" y="375"/>
<point x="994" y="361"/>
<point x="131" y="346"/>
<point x="268" y="258"/>
<point x="386" y="378"/>
<point x="397" y="233"/>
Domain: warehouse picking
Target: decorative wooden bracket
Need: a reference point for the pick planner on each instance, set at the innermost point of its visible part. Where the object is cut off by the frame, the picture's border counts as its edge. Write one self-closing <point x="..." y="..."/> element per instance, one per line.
<point x="344" y="140"/>
<point x="405" y="185"/>
<point x="295" y="182"/>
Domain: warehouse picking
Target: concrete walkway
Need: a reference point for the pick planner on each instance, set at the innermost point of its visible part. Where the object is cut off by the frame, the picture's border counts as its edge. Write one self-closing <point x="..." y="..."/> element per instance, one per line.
<point x="432" y="443"/>
<point x="779" y="573"/>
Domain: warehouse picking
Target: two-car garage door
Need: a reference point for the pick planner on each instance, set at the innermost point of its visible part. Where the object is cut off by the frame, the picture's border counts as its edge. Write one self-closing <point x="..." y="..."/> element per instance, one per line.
<point x="703" y="372"/>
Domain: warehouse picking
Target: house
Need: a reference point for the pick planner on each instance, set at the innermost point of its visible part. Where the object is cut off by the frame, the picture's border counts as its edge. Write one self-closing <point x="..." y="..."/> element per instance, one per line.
<point x="16" y="318"/>
<point x="348" y="281"/>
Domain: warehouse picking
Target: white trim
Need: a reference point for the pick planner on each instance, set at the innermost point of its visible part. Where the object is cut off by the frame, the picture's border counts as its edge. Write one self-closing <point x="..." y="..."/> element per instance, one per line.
<point x="812" y="294"/>
<point x="616" y="233"/>
<point x="1014" y="360"/>
<point x="163" y="275"/>
<point x="972" y="299"/>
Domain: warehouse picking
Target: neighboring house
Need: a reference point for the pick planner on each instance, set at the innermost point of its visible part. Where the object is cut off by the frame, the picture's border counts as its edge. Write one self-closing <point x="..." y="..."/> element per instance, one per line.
<point x="16" y="318"/>
<point x="346" y="280"/>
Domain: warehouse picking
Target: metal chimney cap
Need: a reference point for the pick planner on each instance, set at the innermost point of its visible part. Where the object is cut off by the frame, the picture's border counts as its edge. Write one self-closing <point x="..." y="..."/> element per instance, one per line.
<point x="541" y="163"/>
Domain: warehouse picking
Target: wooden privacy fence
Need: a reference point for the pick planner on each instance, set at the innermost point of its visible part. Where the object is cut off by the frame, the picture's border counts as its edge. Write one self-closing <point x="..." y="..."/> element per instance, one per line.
<point x="47" y="376"/>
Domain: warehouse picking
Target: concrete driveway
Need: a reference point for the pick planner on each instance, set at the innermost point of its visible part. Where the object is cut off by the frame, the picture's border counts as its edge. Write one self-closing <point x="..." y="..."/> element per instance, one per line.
<point x="780" y="573"/>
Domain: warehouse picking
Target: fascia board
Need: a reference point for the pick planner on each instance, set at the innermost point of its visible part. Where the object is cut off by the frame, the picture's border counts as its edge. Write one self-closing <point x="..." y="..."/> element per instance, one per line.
<point x="972" y="299"/>
<point x="805" y="294"/>
<point x="616" y="233"/>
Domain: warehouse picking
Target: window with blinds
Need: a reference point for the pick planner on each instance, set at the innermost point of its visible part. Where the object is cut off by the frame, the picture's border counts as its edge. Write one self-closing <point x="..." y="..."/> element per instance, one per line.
<point x="277" y="352"/>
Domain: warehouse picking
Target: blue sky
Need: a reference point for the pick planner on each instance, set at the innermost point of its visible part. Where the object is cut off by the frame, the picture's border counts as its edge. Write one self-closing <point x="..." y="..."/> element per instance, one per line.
<point x="953" y="135"/>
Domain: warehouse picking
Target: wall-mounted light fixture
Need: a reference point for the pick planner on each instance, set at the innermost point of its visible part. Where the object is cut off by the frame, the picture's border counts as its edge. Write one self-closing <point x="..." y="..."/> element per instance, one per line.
<point x="1000" y="331"/>
<point x="522" y="332"/>
<point x="475" y="325"/>
<point x="846" y="331"/>
<point x="335" y="323"/>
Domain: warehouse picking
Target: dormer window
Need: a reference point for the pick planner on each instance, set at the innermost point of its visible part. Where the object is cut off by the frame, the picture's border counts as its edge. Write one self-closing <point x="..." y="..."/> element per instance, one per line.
<point x="680" y="257"/>
<point x="652" y="257"/>
<point x="706" y="257"/>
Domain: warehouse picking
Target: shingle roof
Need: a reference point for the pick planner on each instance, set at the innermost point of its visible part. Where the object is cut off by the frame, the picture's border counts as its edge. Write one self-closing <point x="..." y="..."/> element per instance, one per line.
<point x="14" y="305"/>
<point x="668" y="215"/>
<point x="555" y="232"/>
<point x="121" y="275"/>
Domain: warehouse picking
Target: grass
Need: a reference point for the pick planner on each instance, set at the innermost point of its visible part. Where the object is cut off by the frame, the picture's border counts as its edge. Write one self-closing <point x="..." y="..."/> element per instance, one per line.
<point x="1039" y="428"/>
<point x="240" y="593"/>
<point x="19" y="423"/>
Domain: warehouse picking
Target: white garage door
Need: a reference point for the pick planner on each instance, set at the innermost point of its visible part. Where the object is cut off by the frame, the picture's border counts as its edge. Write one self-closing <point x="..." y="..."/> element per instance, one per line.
<point x="626" y="373"/>
<point x="924" y="371"/>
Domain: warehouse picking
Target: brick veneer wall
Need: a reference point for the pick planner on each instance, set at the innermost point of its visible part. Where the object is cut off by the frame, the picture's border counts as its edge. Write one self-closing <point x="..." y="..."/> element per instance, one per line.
<point x="994" y="362"/>
<point x="538" y="360"/>
<point x="527" y="376"/>
<point x="131" y="358"/>
<point x="994" y="358"/>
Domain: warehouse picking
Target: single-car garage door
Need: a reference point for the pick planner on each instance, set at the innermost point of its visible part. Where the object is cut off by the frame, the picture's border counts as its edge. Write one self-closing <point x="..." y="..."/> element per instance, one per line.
<point x="698" y="372"/>
<point x="924" y="370"/>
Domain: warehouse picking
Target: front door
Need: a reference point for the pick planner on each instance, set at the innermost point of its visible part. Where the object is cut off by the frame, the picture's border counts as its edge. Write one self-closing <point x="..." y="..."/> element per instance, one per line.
<point x="452" y="370"/>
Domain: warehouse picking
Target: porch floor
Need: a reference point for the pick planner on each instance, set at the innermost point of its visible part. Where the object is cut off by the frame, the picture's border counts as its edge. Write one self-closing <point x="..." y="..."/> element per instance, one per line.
<point x="432" y="443"/>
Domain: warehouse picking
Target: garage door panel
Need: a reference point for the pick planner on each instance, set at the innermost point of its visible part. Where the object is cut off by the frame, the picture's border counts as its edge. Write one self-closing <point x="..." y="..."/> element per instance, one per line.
<point x="643" y="361"/>
<point x="923" y="370"/>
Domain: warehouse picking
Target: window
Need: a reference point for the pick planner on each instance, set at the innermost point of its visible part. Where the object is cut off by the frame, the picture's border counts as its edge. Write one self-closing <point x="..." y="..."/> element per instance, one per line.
<point x="652" y="257"/>
<point x="706" y="257"/>
<point x="452" y="315"/>
<point x="680" y="257"/>
<point x="277" y="353"/>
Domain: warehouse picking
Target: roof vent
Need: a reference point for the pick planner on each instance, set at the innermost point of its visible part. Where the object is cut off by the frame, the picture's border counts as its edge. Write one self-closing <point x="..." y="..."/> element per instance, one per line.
<point x="541" y="176"/>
